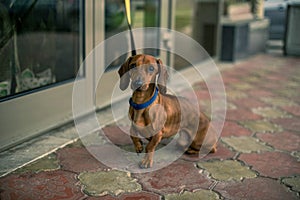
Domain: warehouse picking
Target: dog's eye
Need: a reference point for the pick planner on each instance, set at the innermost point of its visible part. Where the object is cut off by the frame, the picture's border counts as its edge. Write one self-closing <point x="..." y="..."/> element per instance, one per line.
<point x="151" y="68"/>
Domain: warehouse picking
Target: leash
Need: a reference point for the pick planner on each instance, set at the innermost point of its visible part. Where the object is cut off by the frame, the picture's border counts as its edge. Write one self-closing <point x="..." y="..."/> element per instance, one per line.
<point x="128" y="17"/>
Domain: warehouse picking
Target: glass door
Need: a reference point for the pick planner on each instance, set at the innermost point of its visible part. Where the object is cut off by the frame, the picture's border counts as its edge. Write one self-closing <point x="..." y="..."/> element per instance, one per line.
<point x="41" y="49"/>
<point x="40" y="45"/>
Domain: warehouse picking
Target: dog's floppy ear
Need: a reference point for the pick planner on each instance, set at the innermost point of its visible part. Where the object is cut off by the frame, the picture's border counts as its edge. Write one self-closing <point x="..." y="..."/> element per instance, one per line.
<point x="162" y="77"/>
<point x="124" y="75"/>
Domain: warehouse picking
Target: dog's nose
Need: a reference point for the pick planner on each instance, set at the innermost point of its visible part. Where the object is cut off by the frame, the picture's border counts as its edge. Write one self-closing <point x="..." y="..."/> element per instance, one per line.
<point x="138" y="83"/>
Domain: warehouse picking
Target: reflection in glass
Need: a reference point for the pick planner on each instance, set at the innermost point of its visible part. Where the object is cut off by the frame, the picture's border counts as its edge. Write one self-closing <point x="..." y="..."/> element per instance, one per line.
<point x="144" y="13"/>
<point x="39" y="44"/>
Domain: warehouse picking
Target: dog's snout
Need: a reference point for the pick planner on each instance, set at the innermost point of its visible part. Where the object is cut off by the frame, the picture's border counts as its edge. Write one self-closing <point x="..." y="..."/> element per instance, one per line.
<point x="138" y="83"/>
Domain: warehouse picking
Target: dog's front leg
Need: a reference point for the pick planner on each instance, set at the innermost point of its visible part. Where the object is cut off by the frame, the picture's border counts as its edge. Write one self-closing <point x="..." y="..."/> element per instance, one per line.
<point x="147" y="162"/>
<point x="138" y="144"/>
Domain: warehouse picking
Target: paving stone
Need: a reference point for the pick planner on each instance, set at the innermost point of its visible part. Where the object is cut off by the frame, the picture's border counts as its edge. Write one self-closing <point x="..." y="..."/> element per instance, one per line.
<point x="291" y="124"/>
<point x="78" y="159"/>
<point x="108" y="182"/>
<point x="47" y="163"/>
<point x="129" y="196"/>
<point x="241" y="114"/>
<point x="227" y="170"/>
<point x="246" y="144"/>
<point x="261" y="126"/>
<point x="288" y="92"/>
<point x="27" y="151"/>
<point x="249" y="103"/>
<point x="44" y="185"/>
<point x="293" y="182"/>
<point x="68" y="131"/>
<point x="202" y="94"/>
<point x="272" y="164"/>
<point x="258" y="92"/>
<point x="272" y="84"/>
<point x="270" y="112"/>
<point x="139" y="196"/>
<point x="234" y="129"/>
<point x="278" y="101"/>
<point x="256" y="188"/>
<point x="283" y="141"/>
<point x="231" y="106"/>
<point x="235" y="94"/>
<point x="296" y="154"/>
<point x="202" y="194"/>
<point x="94" y="139"/>
<point x="243" y="87"/>
<point x="252" y="80"/>
<point x="106" y="197"/>
<point x="117" y="135"/>
<point x="230" y="80"/>
<point x="222" y="154"/>
<point x="294" y="110"/>
<point x="174" y="178"/>
<point x="77" y="143"/>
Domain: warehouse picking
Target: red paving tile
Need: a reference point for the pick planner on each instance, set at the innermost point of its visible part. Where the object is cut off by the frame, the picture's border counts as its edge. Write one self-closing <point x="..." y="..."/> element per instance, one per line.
<point x="291" y="124"/>
<point x="233" y="129"/>
<point x="295" y="110"/>
<point x="250" y="102"/>
<point x="174" y="178"/>
<point x="272" y="164"/>
<point x="222" y="153"/>
<point x="258" y="92"/>
<point x="256" y="188"/>
<point x="78" y="159"/>
<point x="241" y="114"/>
<point x="283" y="141"/>
<point x="117" y="135"/>
<point x="45" y="185"/>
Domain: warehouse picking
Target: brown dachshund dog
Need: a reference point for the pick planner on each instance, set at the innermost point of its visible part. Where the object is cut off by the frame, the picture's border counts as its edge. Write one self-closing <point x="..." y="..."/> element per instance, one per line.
<point x="156" y="115"/>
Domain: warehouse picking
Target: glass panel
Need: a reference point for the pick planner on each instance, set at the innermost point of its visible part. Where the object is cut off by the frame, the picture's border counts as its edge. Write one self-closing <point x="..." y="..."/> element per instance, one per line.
<point x="184" y="24"/>
<point x="144" y="13"/>
<point x="39" y="44"/>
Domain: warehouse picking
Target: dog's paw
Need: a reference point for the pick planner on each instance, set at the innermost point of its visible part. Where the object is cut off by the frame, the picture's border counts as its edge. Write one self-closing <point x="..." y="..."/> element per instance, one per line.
<point x="139" y="148"/>
<point x="147" y="162"/>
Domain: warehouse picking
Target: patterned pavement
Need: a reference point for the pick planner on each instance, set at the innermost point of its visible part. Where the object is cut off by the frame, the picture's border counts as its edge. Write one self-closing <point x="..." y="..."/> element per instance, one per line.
<point x="258" y="153"/>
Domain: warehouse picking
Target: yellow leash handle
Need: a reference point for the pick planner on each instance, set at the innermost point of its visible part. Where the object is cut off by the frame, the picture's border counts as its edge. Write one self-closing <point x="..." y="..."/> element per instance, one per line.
<point x="128" y="14"/>
<point x="128" y="17"/>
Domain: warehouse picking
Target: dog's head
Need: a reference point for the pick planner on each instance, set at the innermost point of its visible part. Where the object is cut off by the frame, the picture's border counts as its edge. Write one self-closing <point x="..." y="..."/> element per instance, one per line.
<point x="142" y="71"/>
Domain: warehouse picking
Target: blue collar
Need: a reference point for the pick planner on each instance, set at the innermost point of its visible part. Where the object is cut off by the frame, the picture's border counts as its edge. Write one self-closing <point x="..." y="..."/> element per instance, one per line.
<point x="146" y="104"/>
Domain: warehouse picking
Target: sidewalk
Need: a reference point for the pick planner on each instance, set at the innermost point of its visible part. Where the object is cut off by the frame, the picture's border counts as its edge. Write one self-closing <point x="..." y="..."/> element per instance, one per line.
<point x="258" y="154"/>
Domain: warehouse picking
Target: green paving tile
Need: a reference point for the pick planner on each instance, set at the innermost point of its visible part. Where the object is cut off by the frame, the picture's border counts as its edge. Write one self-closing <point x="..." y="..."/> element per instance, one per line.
<point x="246" y="144"/>
<point x="290" y="93"/>
<point x="293" y="182"/>
<point x="235" y="94"/>
<point x="270" y="112"/>
<point x="202" y="194"/>
<point x="252" y="79"/>
<point x="227" y="170"/>
<point x="296" y="154"/>
<point x="47" y="163"/>
<point x="278" y="101"/>
<point x="108" y="182"/>
<point x="242" y="86"/>
<point x="261" y="126"/>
